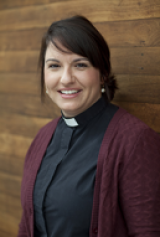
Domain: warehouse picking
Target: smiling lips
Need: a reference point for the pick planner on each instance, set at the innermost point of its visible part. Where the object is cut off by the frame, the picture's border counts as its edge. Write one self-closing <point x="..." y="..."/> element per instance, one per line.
<point x="69" y="93"/>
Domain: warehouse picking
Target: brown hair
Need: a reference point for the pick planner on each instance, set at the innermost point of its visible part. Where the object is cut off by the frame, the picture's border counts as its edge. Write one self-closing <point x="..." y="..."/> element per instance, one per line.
<point x="78" y="35"/>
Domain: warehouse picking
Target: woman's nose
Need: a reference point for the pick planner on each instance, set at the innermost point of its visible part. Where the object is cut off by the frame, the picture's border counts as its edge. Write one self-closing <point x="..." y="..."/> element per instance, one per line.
<point x="67" y="77"/>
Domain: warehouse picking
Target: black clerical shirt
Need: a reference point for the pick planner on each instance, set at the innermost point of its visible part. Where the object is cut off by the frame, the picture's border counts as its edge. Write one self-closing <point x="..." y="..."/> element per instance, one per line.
<point x="63" y="193"/>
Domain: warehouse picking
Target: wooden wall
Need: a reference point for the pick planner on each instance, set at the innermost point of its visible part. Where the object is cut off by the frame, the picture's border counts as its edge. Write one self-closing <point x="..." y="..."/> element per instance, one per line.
<point x="132" y="29"/>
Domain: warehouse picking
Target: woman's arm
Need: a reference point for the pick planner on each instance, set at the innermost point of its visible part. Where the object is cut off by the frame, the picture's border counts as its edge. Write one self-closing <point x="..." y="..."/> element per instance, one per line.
<point x="31" y="164"/>
<point x="139" y="186"/>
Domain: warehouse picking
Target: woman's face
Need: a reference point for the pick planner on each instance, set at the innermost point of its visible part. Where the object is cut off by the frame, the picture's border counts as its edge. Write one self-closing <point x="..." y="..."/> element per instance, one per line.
<point x="71" y="81"/>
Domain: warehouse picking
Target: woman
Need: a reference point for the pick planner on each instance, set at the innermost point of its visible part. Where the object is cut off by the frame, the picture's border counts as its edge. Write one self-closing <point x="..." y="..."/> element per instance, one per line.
<point x="96" y="170"/>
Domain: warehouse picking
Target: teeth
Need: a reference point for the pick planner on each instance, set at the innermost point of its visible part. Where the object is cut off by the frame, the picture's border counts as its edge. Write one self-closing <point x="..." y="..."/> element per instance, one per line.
<point x="69" y="92"/>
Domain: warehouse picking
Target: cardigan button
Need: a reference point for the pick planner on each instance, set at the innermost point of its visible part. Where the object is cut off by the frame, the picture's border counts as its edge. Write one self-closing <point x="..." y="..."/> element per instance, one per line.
<point x="95" y="230"/>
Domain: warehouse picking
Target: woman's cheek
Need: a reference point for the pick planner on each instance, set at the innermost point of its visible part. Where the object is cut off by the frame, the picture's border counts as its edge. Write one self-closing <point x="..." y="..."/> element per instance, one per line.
<point x="49" y="78"/>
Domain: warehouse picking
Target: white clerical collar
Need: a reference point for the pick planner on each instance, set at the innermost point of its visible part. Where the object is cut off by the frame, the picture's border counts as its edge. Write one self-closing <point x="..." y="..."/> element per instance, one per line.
<point x="71" y="122"/>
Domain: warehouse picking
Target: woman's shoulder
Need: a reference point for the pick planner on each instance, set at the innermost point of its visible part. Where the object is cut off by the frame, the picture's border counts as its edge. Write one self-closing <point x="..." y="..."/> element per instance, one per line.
<point x="42" y="138"/>
<point x="123" y="120"/>
<point x="47" y="128"/>
<point x="125" y="126"/>
<point x="129" y="137"/>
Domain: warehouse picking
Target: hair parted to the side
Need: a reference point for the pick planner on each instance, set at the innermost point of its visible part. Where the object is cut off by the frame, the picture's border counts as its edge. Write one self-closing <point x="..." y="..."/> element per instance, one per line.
<point x="78" y="35"/>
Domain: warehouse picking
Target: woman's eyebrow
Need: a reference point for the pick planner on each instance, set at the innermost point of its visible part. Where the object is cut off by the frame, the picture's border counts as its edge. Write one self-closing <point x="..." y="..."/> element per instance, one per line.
<point x="52" y="59"/>
<point x="75" y="60"/>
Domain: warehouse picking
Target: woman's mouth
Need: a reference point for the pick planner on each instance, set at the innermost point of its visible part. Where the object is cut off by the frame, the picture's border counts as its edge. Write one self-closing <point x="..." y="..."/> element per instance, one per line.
<point x="69" y="93"/>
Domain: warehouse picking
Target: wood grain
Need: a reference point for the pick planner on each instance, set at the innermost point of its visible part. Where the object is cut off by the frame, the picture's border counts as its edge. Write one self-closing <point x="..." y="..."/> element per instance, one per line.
<point x="6" y="234"/>
<point x="148" y="113"/>
<point x="138" y="60"/>
<point x="10" y="209"/>
<point x="11" y="205"/>
<point x="19" y="124"/>
<point x="21" y="40"/>
<point x="10" y="185"/>
<point x="96" y="11"/>
<point x="10" y="164"/>
<point x="20" y="83"/>
<point x="141" y="33"/>
<point x="8" y="225"/>
<point x="28" y="105"/>
<point x="19" y="3"/>
<point x="18" y="61"/>
<point x="138" y="88"/>
<point x="14" y="145"/>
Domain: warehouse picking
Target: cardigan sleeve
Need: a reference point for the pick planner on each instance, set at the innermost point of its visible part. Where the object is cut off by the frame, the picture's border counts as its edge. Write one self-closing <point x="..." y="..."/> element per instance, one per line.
<point x="139" y="186"/>
<point x="37" y="148"/>
<point x="22" y="232"/>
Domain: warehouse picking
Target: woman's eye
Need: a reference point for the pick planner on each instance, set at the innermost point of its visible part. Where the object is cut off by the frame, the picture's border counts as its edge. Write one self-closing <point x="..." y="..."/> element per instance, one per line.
<point x="54" y="66"/>
<point x="81" y="65"/>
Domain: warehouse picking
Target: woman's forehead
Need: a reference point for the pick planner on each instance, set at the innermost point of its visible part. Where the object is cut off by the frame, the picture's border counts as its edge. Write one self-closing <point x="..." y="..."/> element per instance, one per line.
<point x="53" y="52"/>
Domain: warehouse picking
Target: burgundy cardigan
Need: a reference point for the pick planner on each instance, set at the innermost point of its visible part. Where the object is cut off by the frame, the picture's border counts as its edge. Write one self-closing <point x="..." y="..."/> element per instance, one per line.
<point x="127" y="187"/>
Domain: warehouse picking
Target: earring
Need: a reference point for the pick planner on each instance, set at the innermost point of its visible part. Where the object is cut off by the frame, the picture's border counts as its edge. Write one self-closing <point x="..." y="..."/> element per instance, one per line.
<point x="46" y="91"/>
<point x="103" y="85"/>
<point x="103" y="89"/>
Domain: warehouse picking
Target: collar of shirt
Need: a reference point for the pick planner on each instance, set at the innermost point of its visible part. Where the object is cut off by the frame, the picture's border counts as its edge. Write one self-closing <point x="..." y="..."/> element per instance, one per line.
<point x="87" y="115"/>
